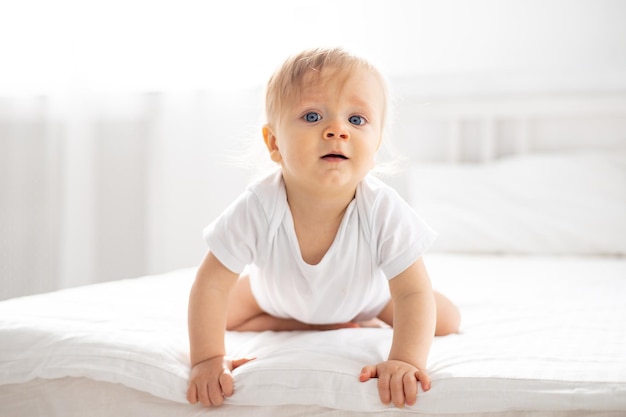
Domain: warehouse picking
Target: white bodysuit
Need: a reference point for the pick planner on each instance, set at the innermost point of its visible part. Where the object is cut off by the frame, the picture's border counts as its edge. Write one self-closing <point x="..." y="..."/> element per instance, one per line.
<point x="379" y="237"/>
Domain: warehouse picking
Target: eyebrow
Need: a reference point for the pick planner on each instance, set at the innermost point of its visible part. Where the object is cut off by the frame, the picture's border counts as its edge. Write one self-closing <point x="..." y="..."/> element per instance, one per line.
<point x="354" y="101"/>
<point x="359" y="102"/>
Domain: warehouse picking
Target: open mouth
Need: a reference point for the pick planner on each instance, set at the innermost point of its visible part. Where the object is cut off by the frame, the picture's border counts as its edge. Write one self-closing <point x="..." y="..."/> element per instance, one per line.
<point x="334" y="157"/>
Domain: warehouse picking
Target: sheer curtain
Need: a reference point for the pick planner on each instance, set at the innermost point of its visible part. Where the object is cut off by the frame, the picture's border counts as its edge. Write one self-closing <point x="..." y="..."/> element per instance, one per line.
<point x="102" y="187"/>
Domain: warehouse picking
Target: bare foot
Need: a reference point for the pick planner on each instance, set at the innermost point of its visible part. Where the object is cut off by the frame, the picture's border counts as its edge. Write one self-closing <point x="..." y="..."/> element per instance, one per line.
<point x="337" y="326"/>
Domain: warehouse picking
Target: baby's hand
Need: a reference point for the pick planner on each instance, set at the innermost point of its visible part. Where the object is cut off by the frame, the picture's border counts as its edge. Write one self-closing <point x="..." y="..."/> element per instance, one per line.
<point x="211" y="381"/>
<point x="397" y="381"/>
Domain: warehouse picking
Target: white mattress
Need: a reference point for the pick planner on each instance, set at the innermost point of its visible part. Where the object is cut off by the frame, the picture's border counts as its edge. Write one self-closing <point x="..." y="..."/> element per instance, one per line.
<point x="539" y="334"/>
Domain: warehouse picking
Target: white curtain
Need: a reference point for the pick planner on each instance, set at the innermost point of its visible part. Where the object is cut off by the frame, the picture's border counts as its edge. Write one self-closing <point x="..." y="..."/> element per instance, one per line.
<point x="103" y="187"/>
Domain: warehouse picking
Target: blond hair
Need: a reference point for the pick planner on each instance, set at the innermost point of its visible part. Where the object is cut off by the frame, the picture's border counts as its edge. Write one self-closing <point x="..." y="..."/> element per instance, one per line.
<point x="299" y="70"/>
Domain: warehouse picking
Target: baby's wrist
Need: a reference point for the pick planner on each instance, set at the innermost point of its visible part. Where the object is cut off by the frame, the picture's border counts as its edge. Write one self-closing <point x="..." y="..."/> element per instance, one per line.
<point x="206" y="358"/>
<point x="419" y="364"/>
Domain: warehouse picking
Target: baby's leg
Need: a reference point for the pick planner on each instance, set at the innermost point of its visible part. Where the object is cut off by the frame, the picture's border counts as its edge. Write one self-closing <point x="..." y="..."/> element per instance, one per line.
<point x="245" y="315"/>
<point x="448" y="315"/>
<point x="242" y="307"/>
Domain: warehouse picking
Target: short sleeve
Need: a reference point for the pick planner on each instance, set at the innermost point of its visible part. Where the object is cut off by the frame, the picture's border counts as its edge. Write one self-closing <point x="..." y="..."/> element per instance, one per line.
<point x="233" y="237"/>
<point x="401" y="235"/>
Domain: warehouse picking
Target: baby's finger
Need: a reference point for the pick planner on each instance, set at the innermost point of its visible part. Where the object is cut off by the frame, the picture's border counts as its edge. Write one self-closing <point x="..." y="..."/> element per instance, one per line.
<point x="384" y="390"/>
<point x="410" y="388"/>
<point x="216" y="395"/>
<point x="368" y="372"/>
<point x="424" y="379"/>
<point x="236" y="363"/>
<point x="192" y="394"/>
<point x="226" y="383"/>
<point x="396" y="389"/>
<point x="203" y="394"/>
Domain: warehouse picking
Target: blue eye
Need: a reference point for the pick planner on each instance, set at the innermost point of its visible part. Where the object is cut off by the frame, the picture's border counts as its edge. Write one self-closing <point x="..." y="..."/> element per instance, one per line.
<point x="312" y="117"/>
<point x="357" y="120"/>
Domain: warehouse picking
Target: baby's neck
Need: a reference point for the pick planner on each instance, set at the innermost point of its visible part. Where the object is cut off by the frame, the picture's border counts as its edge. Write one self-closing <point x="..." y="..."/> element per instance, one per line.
<point x="318" y="209"/>
<point x="316" y="221"/>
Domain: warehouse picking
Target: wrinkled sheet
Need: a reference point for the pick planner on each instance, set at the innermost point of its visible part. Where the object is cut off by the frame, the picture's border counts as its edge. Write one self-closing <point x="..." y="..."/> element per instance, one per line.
<point x="538" y="333"/>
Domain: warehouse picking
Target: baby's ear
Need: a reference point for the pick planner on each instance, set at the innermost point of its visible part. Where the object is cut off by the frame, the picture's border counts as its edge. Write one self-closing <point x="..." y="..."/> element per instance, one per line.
<point x="271" y="143"/>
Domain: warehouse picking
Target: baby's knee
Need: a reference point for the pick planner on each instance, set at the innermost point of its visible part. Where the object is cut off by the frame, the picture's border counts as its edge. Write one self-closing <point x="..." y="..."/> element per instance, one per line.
<point x="448" y="316"/>
<point x="448" y="319"/>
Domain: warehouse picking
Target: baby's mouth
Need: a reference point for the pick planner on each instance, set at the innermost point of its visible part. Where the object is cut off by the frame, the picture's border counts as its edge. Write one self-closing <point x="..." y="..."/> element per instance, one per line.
<point x="334" y="157"/>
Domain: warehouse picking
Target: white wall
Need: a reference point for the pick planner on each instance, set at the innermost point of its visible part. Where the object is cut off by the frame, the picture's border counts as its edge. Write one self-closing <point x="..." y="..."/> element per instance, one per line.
<point x="140" y="44"/>
<point x="451" y="37"/>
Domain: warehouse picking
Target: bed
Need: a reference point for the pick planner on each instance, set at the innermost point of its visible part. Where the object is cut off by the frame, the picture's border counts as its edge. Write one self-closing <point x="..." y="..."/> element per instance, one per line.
<point x="532" y="249"/>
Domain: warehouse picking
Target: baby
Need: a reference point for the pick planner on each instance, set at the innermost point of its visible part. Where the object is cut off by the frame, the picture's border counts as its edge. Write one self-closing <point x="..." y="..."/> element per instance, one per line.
<point x="326" y="245"/>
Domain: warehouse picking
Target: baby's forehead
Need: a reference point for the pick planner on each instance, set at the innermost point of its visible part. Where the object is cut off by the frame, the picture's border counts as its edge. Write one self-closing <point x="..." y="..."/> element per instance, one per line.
<point x="315" y="79"/>
<point x="315" y="83"/>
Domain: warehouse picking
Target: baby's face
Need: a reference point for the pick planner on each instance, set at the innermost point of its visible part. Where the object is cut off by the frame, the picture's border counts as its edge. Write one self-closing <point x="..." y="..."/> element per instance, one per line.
<point x="327" y="137"/>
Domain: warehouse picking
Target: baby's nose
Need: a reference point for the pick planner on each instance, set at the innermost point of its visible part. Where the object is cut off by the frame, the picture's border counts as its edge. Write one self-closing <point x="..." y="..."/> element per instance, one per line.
<point x="336" y="131"/>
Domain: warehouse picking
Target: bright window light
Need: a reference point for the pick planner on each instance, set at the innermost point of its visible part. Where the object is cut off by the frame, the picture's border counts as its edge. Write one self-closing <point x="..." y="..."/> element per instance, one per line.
<point x="150" y="45"/>
<point x="157" y="45"/>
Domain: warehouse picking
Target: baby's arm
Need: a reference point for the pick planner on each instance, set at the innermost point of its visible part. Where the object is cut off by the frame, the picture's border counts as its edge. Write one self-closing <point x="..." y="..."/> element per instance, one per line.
<point x="210" y="380"/>
<point x="414" y="319"/>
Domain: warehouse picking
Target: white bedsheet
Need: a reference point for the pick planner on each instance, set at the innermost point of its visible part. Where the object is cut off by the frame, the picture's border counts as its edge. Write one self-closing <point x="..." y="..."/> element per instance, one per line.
<point x="538" y="333"/>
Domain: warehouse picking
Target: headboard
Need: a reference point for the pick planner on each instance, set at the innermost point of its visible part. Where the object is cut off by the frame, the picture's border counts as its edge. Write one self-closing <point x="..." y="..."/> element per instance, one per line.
<point x="517" y="174"/>
<point x="480" y="129"/>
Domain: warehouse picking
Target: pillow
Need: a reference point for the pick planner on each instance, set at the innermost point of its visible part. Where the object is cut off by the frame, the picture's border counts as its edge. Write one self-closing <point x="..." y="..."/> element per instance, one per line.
<point x="553" y="204"/>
